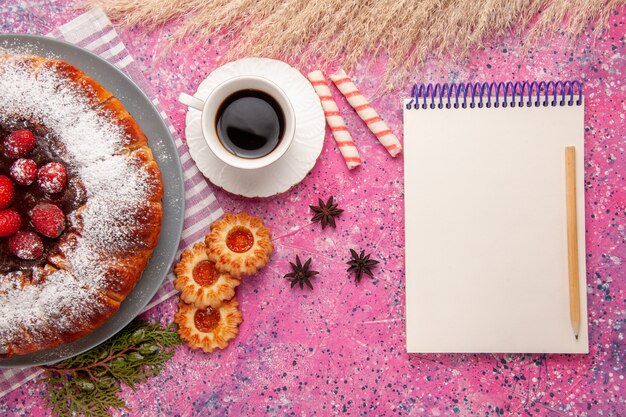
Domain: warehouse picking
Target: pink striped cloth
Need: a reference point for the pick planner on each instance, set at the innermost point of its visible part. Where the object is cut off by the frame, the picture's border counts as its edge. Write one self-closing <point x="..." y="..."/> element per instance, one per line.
<point x="93" y="31"/>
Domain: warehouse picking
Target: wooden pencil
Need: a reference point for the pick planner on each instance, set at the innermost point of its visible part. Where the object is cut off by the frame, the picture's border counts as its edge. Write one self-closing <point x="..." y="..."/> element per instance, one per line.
<point x="572" y="238"/>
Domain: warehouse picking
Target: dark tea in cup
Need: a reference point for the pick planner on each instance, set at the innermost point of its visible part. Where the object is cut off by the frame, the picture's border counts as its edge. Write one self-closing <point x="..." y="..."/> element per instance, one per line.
<point x="250" y="123"/>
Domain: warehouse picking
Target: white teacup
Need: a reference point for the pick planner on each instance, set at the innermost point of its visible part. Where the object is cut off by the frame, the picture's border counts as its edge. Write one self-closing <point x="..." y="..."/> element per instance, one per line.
<point x="211" y="105"/>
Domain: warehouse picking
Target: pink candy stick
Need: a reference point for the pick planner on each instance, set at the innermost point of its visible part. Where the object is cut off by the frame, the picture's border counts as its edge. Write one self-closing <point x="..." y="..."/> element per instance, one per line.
<point x="366" y="112"/>
<point x="335" y="121"/>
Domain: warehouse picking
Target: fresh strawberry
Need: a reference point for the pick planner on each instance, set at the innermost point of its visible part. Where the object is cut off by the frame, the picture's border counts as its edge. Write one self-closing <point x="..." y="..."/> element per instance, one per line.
<point x="48" y="219"/>
<point x="24" y="171"/>
<point x="19" y="143"/>
<point x="7" y="192"/>
<point x="52" y="177"/>
<point x="26" y="245"/>
<point x="10" y="222"/>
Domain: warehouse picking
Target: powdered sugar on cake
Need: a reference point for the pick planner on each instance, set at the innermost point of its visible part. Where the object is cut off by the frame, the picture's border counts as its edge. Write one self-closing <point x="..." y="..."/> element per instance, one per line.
<point x="115" y="187"/>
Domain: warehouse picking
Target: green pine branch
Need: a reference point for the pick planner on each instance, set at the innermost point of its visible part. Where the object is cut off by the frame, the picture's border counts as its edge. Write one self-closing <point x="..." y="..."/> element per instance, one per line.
<point x="89" y="384"/>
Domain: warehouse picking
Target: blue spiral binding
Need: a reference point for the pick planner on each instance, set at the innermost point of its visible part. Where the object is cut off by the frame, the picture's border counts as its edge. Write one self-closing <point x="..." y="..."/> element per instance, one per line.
<point x="509" y="94"/>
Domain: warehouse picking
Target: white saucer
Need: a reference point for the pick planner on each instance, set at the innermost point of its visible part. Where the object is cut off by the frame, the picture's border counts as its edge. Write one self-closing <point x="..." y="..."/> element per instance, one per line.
<point x="301" y="156"/>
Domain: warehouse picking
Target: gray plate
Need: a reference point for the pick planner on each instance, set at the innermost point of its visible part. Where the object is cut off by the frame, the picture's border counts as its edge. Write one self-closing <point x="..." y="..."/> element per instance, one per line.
<point x="166" y="155"/>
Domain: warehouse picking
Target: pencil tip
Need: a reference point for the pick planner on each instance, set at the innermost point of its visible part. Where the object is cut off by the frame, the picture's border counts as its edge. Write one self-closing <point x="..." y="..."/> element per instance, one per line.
<point x="576" y="337"/>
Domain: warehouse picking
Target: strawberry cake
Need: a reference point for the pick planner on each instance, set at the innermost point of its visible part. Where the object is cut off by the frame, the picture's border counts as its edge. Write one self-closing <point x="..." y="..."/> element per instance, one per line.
<point x="80" y="204"/>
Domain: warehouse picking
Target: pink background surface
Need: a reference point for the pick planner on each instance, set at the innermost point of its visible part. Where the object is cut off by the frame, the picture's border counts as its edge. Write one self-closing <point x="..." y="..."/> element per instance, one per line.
<point x="339" y="349"/>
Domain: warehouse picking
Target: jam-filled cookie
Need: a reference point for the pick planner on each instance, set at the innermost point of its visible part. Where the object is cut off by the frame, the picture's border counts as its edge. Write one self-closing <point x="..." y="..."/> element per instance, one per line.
<point x="199" y="282"/>
<point x="208" y="328"/>
<point x="239" y="244"/>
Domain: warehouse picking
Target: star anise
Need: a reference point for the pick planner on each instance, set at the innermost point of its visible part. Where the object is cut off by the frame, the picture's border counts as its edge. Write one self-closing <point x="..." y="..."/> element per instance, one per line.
<point x="361" y="264"/>
<point x="326" y="212"/>
<point x="300" y="273"/>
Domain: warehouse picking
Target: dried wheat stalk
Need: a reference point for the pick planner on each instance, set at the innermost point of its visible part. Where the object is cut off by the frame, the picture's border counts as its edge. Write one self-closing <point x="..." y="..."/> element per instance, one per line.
<point x="323" y="31"/>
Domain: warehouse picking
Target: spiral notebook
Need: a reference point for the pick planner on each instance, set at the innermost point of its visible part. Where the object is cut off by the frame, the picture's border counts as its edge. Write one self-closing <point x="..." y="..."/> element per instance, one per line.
<point x="485" y="209"/>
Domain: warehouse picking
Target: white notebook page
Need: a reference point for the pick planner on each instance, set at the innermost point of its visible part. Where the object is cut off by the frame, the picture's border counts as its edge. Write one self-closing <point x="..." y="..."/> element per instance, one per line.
<point x="486" y="237"/>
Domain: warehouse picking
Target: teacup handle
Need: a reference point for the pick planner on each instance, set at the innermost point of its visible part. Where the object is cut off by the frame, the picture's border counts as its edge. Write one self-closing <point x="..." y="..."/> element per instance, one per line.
<point x="191" y="101"/>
